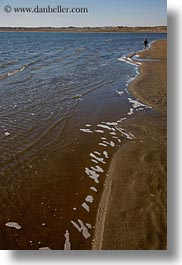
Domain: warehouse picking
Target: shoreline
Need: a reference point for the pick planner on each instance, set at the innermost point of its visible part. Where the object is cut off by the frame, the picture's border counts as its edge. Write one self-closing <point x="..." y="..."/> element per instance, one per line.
<point x="104" y="29"/>
<point x="145" y="126"/>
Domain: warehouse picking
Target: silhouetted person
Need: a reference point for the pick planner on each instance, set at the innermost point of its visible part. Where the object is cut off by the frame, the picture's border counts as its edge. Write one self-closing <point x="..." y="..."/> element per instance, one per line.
<point x="146" y="43"/>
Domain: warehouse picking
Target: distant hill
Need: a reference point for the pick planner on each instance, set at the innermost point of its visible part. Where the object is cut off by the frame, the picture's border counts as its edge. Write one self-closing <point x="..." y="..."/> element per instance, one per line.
<point x="86" y="29"/>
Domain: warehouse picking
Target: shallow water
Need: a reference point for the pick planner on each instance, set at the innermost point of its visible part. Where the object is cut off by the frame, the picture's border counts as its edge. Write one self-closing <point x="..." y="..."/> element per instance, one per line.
<point x="63" y="98"/>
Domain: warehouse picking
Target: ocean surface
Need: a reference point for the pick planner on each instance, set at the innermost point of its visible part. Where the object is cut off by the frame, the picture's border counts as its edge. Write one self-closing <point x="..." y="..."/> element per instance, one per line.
<point x="63" y="98"/>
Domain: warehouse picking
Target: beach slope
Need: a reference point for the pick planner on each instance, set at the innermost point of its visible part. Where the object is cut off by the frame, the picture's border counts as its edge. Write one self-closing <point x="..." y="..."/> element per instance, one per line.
<point x="133" y="208"/>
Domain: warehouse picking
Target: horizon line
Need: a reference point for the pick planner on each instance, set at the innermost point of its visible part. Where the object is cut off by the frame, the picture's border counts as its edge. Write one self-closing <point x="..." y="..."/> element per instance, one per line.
<point x="157" y="26"/>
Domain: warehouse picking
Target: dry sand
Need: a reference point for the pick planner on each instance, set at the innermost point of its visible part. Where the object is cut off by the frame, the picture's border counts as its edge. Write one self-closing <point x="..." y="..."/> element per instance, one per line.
<point x="133" y="208"/>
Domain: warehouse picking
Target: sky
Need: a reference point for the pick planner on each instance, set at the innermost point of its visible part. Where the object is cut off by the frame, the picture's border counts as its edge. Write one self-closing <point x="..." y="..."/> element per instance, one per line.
<point x="101" y="13"/>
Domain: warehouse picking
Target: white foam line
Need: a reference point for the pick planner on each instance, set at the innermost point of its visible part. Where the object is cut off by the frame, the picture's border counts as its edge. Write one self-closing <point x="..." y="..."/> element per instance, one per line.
<point x="112" y="133"/>
<point x="89" y="199"/>
<point x="86" y="130"/>
<point x="119" y="92"/>
<point x="97" y="169"/>
<point x="129" y="80"/>
<point x="67" y="244"/>
<point x="110" y="123"/>
<point x="106" y="154"/>
<point x="105" y="142"/>
<point x="6" y="133"/>
<point x="97" y="153"/>
<point x="132" y="135"/>
<point x="88" y="125"/>
<point x="125" y="134"/>
<point x="119" y="129"/>
<point x="95" y="161"/>
<point x="99" y="131"/>
<point x="88" y="225"/>
<point x="104" y="126"/>
<point x="92" y="174"/>
<point x="103" y="138"/>
<point x="123" y="119"/>
<point x="129" y="61"/>
<point x="86" y="207"/>
<point x="93" y="188"/>
<point x="131" y="112"/>
<point x="81" y="227"/>
<point x="112" y="144"/>
<point x="105" y="145"/>
<point x="137" y="104"/>
<point x="124" y="59"/>
<point x="97" y="158"/>
<point x="13" y="225"/>
<point x="115" y="137"/>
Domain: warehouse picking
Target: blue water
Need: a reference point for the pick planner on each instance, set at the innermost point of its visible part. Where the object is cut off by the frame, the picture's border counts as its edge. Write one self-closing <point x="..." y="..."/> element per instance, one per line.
<point x="42" y="76"/>
<point x="51" y="86"/>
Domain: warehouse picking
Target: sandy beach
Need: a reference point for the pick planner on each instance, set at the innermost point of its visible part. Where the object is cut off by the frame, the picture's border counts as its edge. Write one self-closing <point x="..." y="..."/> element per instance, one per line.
<point x="133" y="208"/>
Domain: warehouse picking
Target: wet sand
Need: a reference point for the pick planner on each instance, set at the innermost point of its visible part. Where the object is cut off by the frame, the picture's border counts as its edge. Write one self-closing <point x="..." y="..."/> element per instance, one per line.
<point x="133" y="208"/>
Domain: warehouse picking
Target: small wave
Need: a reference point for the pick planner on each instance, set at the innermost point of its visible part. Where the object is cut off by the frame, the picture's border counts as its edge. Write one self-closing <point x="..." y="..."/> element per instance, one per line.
<point x="77" y="96"/>
<point x="128" y="60"/>
<point x="8" y="63"/>
<point x="20" y="81"/>
<point x="119" y="92"/>
<point x="12" y="73"/>
<point x="20" y="69"/>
